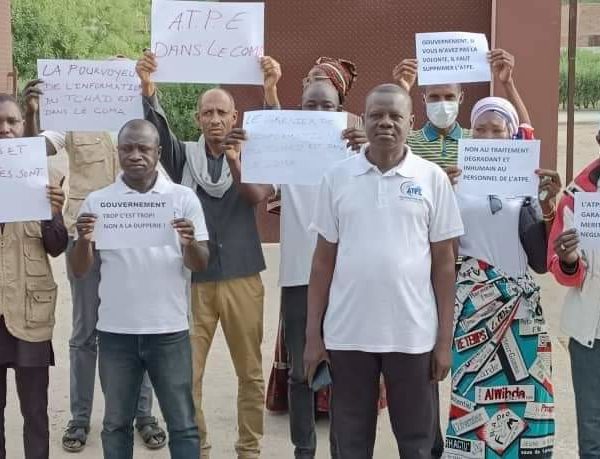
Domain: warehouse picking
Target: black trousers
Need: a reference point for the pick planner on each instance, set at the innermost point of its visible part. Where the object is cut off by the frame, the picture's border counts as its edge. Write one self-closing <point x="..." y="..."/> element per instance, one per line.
<point x="32" y="388"/>
<point x="411" y="397"/>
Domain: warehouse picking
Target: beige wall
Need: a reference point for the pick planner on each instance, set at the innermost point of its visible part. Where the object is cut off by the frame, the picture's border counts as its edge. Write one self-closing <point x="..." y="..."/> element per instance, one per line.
<point x="5" y="47"/>
<point x="588" y="23"/>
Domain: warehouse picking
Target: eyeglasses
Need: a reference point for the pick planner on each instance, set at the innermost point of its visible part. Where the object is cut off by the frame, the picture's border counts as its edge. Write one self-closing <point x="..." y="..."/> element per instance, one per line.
<point x="495" y="204"/>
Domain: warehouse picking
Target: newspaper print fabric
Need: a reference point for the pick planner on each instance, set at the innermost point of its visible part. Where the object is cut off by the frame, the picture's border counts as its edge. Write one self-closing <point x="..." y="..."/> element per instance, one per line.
<point x="502" y="403"/>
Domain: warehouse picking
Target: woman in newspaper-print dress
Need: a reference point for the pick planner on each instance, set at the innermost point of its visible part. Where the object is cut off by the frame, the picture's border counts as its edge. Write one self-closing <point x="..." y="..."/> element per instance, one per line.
<point x="502" y="403"/>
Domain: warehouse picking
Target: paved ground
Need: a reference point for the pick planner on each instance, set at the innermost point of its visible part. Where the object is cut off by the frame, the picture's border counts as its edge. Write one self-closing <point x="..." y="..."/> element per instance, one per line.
<point x="220" y="386"/>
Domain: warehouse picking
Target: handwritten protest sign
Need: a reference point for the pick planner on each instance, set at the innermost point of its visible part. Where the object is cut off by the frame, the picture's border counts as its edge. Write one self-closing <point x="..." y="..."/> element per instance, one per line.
<point x="23" y="180"/>
<point x="134" y="221"/>
<point x="291" y="146"/>
<point x="587" y="219"/>
<point x="89" y="95"/>
<point x="452" y="57"/>
<point x="208" y="42"/>
<point x="498" y="167"/>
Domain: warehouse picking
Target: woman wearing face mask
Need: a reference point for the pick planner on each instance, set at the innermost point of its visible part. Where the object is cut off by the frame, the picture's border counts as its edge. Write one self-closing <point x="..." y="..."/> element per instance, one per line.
<point x="437" y="140"/>
<point x="502" y="397"/>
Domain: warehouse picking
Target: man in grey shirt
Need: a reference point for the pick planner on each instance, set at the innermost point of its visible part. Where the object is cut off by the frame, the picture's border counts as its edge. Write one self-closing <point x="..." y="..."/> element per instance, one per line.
<point x="230" y="290"/>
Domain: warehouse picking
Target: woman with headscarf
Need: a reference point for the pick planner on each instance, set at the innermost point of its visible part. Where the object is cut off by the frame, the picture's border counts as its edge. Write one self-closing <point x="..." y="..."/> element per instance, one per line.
<point x="502" y="397"/>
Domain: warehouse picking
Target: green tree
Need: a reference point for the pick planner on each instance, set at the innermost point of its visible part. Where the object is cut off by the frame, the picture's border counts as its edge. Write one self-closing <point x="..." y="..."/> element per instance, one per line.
<point x="76" y="29"/>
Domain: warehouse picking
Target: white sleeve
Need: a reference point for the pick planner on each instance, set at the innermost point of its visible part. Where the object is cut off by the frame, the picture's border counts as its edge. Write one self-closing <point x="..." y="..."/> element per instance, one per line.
<point x="325" y="221"/>
<point x="445" y="222"/>
<point x="57" y="139"/>
<point x="192" y="210"/>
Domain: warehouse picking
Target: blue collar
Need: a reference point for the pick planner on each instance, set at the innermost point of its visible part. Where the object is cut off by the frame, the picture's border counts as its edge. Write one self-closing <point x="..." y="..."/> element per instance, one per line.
<point x="431" y="133"/>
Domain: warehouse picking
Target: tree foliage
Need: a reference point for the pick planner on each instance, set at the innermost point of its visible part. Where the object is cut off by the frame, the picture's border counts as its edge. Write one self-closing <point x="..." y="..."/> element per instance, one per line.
<point x="76" y="29"/>
<point x="587" y="79"/>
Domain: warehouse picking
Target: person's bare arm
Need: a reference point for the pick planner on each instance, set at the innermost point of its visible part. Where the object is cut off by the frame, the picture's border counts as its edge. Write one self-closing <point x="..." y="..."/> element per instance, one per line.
<point x="405" y="74"/>
<point x="82" y="255"/>
<point x="443" y="278"/>
<point x="503" y="64"/>
<point x="321" y="275"/>
<point x="31" y="100"/>
<point x="272" y="74"/>
<point x="195" y="253"/>
<point x="195" y="256"/>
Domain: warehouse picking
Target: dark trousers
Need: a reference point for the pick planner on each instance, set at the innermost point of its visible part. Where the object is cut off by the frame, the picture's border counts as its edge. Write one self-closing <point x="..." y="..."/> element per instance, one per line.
<point x="585" y="371"/>
<point x="123" y="360"/>
<point x="32" y="389"/>
<point x="438" y="443"/>
<point x="301" y="398"/>
<point x="410" y="396"/>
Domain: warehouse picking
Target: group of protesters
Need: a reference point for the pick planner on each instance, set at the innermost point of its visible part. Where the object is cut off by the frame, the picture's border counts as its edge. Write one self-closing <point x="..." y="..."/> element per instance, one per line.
<point x="386" y="274"/>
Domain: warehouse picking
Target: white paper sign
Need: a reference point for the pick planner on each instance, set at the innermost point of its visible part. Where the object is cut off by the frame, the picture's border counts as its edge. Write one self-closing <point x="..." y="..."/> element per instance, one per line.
<point x="587" y="219"/>
<point x="452" y="57"/>
<point x="208" y="42"/>
<point x="89" y="95"/>
<point x="498" y="167"/>
<point x="288" y="147"/>
<point x="23" y="180"/>
<point x="134" y="221"/>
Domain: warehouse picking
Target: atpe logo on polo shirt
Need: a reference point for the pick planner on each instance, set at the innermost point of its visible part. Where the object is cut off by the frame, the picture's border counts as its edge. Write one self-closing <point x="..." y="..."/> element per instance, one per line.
<point x="411" y="190"/>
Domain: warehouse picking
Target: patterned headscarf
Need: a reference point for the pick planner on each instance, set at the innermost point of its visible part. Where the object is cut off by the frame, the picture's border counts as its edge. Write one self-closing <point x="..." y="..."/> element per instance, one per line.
<point x="340" y="72"/>
<point x="499" y="106"/>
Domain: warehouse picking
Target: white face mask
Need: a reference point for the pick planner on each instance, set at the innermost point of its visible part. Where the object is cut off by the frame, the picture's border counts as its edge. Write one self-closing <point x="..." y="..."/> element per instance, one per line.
<point x="442" y="114"/>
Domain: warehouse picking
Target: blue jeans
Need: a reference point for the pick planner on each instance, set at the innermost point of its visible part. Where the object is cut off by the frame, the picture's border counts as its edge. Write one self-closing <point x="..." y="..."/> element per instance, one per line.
<point x="585" y="368"/>
<point x="167" y="358"/>
<point x="83" y="349"/>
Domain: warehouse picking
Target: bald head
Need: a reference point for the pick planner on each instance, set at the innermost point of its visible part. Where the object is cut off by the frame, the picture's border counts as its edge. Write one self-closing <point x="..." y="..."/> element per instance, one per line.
<point x="139" y="151"/>
<point x="216" y="94"/>
<point x="390" y="90"/>
<point x="140" y="130"/>
<point x="216" y="116"/>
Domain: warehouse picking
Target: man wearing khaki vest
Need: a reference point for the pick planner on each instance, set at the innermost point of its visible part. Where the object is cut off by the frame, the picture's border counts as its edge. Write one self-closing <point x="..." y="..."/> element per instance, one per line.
<point x="93" y="164"/>
<point x="28" y="300"/>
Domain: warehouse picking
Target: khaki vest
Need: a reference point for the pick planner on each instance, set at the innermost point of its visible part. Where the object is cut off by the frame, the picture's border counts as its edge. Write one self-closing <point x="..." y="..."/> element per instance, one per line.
<point x="93" y="164"/>
<point x="27" y="287"/>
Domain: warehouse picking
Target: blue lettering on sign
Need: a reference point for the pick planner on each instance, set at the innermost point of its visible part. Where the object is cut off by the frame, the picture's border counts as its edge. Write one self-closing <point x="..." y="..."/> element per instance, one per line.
<point x="411" y="189"/>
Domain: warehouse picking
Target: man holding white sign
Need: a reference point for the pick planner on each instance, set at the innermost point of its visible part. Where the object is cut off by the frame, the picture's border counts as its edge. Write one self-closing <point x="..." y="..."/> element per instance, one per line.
<point x="230" y="291"/>
<point x="437" y="140"/>
<point x="143" y="326"/>
<point x="575" y="265"/>
<point x="27" y="285"/>
<point x="93" y="164"/>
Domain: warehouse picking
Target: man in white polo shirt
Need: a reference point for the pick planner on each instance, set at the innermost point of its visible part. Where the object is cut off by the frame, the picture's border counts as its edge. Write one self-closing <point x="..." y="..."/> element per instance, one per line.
<point x="142" y="319"/>
<point x="383" y="280"/>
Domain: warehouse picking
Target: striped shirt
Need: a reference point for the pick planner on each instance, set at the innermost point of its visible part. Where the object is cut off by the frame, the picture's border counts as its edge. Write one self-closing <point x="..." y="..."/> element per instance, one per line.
<point x="442" y="150"/>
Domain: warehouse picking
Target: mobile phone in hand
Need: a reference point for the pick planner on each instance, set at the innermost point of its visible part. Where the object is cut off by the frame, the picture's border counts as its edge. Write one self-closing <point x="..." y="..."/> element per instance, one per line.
<point x="322" y="377"/>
